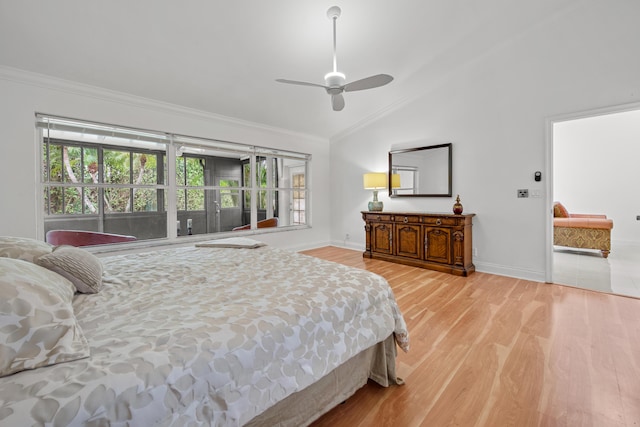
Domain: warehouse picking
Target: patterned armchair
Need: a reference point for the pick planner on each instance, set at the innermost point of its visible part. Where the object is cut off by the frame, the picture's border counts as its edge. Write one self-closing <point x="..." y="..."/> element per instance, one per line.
<point x="584" y="231"/>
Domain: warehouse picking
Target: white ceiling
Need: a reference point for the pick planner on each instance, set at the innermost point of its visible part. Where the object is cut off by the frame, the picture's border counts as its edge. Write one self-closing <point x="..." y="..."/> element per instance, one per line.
<point x="223" y="56"/>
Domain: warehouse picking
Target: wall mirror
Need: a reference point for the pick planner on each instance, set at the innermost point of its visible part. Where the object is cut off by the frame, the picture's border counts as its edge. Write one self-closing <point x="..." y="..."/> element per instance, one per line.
<point x="420" y="172"/>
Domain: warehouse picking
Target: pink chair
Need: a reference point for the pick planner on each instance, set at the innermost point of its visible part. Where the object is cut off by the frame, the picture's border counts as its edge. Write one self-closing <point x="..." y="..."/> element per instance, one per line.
<point x="84" y="238"/>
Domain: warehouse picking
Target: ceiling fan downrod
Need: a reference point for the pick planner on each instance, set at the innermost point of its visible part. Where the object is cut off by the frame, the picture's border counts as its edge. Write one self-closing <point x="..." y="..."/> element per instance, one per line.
<point x="334" y="79"/>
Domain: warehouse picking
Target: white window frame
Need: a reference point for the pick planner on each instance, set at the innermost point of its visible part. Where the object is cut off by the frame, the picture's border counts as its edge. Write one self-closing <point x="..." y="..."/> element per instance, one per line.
<point x="174" y="144"/>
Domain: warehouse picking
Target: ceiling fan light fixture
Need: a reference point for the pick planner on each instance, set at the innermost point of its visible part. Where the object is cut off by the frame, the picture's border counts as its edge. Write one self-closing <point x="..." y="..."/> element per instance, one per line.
<point x="335" y="78"/>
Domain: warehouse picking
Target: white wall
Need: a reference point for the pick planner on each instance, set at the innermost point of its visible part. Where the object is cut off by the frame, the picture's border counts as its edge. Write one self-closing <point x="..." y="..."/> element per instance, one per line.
<point x="24" y="94"/>
<point x="494" y="109"/>
<point x="595" y="169"/>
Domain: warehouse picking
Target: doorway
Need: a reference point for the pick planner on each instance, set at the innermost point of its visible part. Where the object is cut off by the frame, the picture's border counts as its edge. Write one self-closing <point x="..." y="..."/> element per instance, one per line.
<point x="594" y="164"/>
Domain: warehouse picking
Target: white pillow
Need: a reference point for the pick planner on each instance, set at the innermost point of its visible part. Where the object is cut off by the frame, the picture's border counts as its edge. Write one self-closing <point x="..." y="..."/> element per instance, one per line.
<point x="37" y="323"/>
<point x="23" y="248"/>
<point x="79" y="266"/>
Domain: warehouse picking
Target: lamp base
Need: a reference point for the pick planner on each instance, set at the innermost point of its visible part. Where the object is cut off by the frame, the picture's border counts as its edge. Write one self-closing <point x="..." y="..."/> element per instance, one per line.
<point x="375" y="206"/>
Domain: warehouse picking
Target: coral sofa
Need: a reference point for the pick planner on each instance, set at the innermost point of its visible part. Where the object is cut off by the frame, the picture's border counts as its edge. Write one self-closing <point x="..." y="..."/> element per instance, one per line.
<point x="582" y="231"/>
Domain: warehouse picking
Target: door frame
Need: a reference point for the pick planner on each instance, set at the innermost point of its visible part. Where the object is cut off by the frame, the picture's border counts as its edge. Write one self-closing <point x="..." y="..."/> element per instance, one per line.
<point x="549" y="123"/>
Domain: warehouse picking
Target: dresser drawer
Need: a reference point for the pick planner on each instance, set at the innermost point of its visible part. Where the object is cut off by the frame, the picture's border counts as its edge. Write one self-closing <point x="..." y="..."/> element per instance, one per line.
<point x="436" y="220"/>
<point x="377" y="217"/>
<point x="407" y="219"/>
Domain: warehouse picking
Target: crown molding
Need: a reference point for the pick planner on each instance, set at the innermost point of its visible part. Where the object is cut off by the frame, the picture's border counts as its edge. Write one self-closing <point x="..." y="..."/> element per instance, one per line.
<point x="30" y="78"/>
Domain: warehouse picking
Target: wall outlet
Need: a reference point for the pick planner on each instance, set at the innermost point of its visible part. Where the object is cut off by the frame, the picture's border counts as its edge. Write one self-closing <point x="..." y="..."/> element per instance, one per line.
<point x="475" y="251"/>
<point x="523" y="193"/>
<point x="347" y="237"/>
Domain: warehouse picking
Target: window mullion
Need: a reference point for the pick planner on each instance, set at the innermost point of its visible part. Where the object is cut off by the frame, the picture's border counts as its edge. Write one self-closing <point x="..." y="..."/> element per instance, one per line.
<point x="100" y="189"/>
<point x="172" y="209"/>
<point x="48" y="177"/>
<point x="254" y="191"/>
<point x="131" y="181"/>
<point x="269" y="195"/>
<point x="161" y="194"/>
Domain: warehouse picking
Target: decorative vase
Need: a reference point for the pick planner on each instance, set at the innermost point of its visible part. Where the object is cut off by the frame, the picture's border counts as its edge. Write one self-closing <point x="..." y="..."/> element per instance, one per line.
<point x="375" y="205"/>
<point x="457" y="206"/>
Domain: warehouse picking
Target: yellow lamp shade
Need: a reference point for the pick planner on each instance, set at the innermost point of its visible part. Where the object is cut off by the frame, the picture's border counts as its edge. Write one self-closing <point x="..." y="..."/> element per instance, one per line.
<point x="374" y="180"/>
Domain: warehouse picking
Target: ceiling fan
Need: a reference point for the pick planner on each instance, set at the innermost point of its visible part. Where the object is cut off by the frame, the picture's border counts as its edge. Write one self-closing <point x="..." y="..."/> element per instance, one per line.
<point x="335" y="81"/>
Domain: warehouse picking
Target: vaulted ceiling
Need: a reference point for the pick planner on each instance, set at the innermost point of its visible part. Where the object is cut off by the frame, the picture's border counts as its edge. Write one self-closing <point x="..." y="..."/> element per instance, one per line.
<point x="223" y="56"/>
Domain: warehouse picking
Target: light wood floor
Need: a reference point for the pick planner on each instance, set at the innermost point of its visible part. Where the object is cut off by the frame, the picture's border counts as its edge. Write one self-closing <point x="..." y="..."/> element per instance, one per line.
<point x="496" y="351"/>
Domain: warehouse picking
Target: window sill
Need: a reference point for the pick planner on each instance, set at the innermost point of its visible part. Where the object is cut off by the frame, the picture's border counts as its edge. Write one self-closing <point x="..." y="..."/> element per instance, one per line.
<point x="151" y="244"/>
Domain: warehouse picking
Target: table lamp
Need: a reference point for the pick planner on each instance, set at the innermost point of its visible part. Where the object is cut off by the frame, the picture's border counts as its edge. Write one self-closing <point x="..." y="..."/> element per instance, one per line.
<point x="375" y="181"/>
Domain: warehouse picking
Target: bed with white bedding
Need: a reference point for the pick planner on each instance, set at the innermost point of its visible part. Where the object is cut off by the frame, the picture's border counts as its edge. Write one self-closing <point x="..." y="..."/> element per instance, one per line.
<point x="206" y="336"/>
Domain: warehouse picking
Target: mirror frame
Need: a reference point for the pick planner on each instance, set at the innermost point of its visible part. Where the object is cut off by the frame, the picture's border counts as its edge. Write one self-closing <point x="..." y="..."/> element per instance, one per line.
<point x="430" y="147"/>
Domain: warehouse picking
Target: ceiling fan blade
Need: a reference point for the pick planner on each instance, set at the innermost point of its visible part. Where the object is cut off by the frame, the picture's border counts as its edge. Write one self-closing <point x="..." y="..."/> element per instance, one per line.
<point x="295" y="82"/>
<point x="337" y="102"/>
<point x="368" y="82"/>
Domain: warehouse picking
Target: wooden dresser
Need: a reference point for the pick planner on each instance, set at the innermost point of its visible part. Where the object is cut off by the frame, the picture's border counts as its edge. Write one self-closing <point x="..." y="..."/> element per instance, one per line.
<point x="437" y="241"/>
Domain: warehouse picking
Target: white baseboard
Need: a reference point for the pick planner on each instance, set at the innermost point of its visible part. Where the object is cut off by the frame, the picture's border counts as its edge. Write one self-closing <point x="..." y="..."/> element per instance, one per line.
<point x="306" y="246"/>
<point x="348" y="245"/>
<point x="484" y="267"/>
<point x="503" y="270"/>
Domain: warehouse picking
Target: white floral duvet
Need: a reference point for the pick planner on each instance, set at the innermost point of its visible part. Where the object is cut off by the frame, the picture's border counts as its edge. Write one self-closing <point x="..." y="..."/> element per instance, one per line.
<point x="205" y="336"/>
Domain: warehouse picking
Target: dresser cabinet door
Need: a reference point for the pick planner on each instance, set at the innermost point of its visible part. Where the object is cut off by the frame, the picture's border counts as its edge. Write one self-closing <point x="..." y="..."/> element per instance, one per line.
<point x="409" y="240"/>
<point x="381" y="238"/>
<point x="437" y="244"/>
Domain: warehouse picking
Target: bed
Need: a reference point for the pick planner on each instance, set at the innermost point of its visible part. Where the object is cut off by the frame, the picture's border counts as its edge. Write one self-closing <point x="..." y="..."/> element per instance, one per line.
<point x="222" y="336"/>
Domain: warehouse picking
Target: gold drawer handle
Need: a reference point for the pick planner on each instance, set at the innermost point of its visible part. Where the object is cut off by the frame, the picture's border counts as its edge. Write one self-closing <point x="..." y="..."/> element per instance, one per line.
<point x="438" y="221"/>
<point x="405" y="220"/>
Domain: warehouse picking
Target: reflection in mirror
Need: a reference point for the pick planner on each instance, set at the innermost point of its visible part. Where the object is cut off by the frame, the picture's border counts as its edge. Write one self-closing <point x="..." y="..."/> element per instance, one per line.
<point x="423" y="171"/>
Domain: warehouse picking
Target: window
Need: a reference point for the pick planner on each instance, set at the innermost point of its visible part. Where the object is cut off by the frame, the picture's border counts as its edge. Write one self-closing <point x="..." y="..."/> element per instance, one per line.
<point x="190" y="173"/>
<point x="229" y="195"/>
<point x="77" y="166"/>
<point x="266" y="180"/>
<point x="71" y="164"/>
<point x="111" y="179"/>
